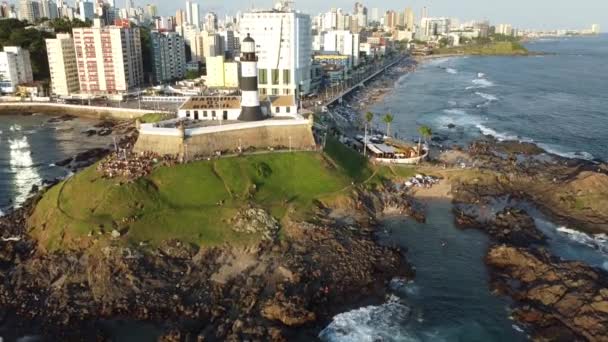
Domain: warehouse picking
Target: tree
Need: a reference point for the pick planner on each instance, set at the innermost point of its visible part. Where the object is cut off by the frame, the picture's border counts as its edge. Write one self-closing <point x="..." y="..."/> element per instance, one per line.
<point x="426" y="133"/>
<point x="388" y="120"/>
<point x="369" y="117"/>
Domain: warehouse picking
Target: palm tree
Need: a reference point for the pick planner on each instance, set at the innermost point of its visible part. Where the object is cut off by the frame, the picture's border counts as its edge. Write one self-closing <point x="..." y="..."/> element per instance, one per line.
<point x="369" y="116"/>
<point x="426" y="133"/>
<point x="388" y="120"/>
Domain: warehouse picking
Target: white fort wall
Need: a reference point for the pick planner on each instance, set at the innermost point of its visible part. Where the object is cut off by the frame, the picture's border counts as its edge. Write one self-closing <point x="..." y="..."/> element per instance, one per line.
<point x="294" y="133"/>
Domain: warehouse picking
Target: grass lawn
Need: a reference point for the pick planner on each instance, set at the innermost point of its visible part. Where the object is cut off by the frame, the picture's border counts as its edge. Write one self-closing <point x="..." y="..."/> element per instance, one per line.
<point x="181" y="202"/>
<point x="154" y="117"/>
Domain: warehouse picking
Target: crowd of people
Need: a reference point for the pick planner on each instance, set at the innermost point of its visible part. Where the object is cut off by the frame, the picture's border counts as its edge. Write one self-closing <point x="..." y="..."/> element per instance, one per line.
<point x="131" y="166"/>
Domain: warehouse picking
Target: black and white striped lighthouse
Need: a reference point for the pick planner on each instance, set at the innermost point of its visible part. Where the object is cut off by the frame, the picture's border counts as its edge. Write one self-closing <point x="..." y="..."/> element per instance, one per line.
<point x="250" y="99"/>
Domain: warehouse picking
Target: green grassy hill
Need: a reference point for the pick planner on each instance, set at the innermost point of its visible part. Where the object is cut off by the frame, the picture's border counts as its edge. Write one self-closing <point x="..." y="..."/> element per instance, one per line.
<point x="490" y="49"/>
<point x="181" y="202"/>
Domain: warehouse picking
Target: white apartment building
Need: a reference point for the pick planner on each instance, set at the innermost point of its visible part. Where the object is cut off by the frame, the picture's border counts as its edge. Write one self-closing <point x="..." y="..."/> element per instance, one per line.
<point x="193" y="14"/>
<point x="192" y="37"/>
<point x="343" y="42"/>
<point x="168" y="56"/>
<point x="283" y="41"/>
<point x="432" y="27"/>
<point x="15" y="68"/>
<point x="109" y="58"/>
<point x="506" y="29"/>
<point x="62" y="65"/>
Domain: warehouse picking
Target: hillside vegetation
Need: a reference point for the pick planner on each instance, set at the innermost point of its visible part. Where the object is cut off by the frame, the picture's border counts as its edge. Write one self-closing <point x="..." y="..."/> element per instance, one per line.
<point x="499" y="48"/>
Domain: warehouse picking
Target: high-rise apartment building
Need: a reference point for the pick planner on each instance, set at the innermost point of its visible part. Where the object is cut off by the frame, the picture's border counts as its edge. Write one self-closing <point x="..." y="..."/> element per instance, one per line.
<point x="62" y="65"/>
<point x="180" y="18"/>
<point x="410" y="22"/>
<point x="168" y="56"/>
<point x="29" y="10"/>
<point x="48" y="9"/>
<point x="390" y="19"/>
<point x="15" y="68"/>
<point x="193" y="14"/>
<point x="375" y="14"/>
<point x="210" y="23"/>
<point x="283" y="40"/>
<point x="109" y="58"/>
<point x="87" y="10"/>
<point x="505" y="29"/>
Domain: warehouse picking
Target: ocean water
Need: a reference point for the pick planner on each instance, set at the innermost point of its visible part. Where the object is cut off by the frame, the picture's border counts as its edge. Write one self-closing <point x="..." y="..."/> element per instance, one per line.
<point x="29" y="147"/>
<point x="450" y="298"/>
<point x="558" y="100"/>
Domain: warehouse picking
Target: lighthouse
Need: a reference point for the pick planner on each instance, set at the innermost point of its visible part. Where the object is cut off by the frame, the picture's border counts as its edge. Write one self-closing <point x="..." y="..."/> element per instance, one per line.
<point x="250" y="99"/>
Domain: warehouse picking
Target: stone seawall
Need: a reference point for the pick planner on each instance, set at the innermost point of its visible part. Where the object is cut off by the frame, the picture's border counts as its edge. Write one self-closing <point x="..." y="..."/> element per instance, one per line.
<point x="76" y="110"/>
<point x="299" y="137"/>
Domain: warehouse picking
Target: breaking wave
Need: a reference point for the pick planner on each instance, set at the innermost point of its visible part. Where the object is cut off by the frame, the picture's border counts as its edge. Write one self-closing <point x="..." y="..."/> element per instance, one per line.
<point x="372" y="323"/>
<point x="481" y="83"/>
<point x="485" y="96"/>
<point x="451" y="71"/>
<point x="598" y="241"/>
<point x="570" y="155"/>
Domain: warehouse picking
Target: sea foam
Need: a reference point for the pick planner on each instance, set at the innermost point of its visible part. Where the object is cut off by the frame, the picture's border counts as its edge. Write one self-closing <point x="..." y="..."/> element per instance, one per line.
<point x="485" y="130"/>
<point x="451" y="71"/>
<point x="372" y="323"/>
<point x="481" y="83"/>
<point x="570" y="155"/>
<point x="598" y="241"/>
<point x="488" y="97"/>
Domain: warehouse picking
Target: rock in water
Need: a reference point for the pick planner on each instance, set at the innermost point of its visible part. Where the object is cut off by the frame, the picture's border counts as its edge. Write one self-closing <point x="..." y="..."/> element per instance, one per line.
<point x="562" y="300"/>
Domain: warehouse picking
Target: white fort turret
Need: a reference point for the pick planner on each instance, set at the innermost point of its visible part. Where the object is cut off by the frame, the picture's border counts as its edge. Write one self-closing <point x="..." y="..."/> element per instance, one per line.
<point x="250" y="99"/>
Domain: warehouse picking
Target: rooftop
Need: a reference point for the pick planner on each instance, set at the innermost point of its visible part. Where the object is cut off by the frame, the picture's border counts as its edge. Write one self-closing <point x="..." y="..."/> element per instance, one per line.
<point x="212" y="102"/>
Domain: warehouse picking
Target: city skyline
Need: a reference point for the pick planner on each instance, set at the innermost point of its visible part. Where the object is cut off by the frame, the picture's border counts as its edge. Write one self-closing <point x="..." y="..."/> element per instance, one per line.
<point x="519" y="13"/>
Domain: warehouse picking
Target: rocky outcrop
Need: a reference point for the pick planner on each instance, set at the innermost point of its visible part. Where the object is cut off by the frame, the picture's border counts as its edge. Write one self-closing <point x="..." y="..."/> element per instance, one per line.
<point x="560" y="300"/>
<point x="277" y="290"/>
<point x="511" y="226"/>
<point x="256" y="221"/>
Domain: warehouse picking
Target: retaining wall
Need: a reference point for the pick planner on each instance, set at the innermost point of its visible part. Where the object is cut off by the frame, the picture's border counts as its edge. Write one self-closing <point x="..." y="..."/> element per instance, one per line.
<point x="76" y="110"/>
<point x="297" y="135"/>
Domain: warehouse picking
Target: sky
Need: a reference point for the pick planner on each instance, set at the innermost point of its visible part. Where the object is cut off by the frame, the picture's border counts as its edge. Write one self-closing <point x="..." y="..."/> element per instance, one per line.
<point x="529" y="14"/>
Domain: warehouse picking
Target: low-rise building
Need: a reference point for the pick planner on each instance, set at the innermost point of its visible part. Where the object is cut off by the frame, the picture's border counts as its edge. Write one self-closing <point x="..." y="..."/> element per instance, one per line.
<point x="15" y="68"/>
<point x="222" y="73"/>
<point x="333" y="58"/>
<point x="343" y="42"/>
<point x="228" y="108"/>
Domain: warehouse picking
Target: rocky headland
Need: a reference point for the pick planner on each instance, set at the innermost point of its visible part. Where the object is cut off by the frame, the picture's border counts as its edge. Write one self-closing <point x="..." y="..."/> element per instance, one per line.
<point x="556" y="299"/>
<point x="280" y="289"/>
